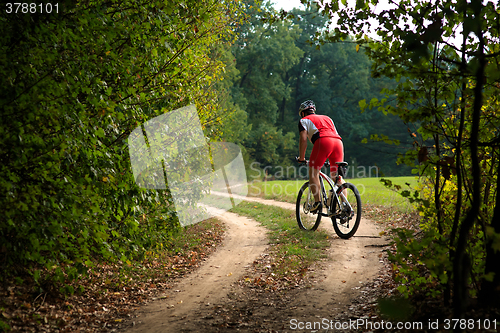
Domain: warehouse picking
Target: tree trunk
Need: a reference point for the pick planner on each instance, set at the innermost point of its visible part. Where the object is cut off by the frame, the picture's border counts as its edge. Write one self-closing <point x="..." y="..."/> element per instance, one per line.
<point x="437" y="188"/>
<point x="458" y="165"/>
<point x="489" y="294"/>
<point x="461" y="259"/>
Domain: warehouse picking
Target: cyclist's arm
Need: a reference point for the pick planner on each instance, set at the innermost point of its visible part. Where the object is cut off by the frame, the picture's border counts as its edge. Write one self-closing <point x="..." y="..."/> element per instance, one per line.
<point x="302" y="145"/>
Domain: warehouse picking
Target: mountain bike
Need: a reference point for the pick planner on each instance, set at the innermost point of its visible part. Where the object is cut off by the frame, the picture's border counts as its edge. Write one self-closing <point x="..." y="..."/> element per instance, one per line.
<point x="342" y="203"/>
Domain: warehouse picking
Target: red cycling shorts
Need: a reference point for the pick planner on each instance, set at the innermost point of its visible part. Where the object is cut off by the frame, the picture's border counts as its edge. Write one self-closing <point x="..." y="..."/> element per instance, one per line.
<point x="327" y="148"/>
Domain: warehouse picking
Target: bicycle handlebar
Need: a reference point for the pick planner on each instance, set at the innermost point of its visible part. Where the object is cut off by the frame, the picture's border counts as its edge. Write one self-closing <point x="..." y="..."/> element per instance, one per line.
<point x="304" y="161"/>
<point x="327" y="163"/>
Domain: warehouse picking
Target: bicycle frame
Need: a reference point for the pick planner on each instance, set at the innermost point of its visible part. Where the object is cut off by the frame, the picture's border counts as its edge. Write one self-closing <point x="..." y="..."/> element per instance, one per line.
<point x="333" y="185"/>
<point x="322" y="177"/>
<point x="345" y="215"/>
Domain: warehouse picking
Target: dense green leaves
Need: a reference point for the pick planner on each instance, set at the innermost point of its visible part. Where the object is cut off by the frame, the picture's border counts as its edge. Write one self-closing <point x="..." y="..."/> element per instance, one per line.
<point x="281" y="63"/>
<point x="447" y="85"/>
<point x="74" y="86"/>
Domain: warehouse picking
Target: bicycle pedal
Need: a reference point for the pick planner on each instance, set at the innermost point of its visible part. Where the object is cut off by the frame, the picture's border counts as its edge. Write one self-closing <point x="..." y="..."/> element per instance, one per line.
<point x="316" y="208"/>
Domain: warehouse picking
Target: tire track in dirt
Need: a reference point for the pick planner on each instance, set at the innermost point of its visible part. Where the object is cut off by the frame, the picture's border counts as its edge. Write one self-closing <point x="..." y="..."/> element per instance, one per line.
<point x="350" y="263"/>
<point x="245" y="240"/>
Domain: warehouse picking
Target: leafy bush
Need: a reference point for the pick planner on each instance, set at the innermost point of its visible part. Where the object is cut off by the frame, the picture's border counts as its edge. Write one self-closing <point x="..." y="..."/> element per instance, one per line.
<point x="74" y="86"/>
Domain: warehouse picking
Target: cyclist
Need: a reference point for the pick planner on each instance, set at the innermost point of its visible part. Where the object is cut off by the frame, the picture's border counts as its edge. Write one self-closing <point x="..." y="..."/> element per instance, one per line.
<point x="327" y="144"/>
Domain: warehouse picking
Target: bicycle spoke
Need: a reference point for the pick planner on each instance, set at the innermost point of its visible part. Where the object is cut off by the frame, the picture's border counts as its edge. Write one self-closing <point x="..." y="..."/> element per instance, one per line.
<point x="347" y="212"/>
<point x="305" y="200"/>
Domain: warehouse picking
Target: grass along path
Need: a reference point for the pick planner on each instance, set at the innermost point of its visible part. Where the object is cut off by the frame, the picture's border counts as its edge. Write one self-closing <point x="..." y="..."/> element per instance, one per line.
<point x="292" y="251"/>
<point x="372" y="191"/>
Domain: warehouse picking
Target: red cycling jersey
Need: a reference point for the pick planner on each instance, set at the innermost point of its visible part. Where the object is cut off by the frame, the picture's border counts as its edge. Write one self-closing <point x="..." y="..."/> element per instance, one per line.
<point x="327" y="142"/>
<point x="318" y="126"/>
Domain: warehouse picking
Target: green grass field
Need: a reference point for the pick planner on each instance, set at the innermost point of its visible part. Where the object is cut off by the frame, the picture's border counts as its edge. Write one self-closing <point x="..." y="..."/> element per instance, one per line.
<point x="372" y="191"/>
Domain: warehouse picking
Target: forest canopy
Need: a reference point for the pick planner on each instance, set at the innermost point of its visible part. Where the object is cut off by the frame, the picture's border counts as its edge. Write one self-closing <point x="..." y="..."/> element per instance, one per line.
<point x="281" y="63"/>
<point x="75" y="84"/>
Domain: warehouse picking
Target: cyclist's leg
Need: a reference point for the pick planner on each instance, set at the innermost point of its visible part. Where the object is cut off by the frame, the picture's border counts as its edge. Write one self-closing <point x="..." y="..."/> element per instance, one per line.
<point x="314" y="183"/>
<point x="318" y="157"/>
<point x="337" y="155"/>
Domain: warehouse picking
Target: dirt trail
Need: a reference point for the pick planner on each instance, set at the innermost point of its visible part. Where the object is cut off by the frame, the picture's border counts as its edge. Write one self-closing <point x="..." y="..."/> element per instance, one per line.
<point x="244" y="241"/>
<point x="338" y="280"/>
<point x="352" y="263"/>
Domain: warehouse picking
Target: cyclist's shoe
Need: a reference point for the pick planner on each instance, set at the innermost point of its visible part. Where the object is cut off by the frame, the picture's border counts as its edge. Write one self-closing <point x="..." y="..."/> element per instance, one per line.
<point x="316" y="207"/>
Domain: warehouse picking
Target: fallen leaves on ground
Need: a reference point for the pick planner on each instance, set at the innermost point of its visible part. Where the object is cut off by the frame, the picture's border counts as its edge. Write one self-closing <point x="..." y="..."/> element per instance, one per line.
<point x="111" y="291"/>
<point x="265" y="275"/>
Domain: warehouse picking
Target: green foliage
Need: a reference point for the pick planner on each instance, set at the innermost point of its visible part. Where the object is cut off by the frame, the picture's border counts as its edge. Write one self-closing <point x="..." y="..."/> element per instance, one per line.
<point x="281" y="61"/>
<point x="268" y="144"/>
<point x="264" y="53"/>
<point x="414" y="198"/>
<point x="395" y="308"/>
<point x="4" y="326"/>
<point x="421" y="262"/>
<point x="74" y="87"/>
<point x="450" y="91"/>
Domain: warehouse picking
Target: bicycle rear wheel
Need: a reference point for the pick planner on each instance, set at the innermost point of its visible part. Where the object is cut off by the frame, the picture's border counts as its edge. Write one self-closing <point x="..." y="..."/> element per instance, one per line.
<point x="347" y="215"/>
<point x="305" y="200"/>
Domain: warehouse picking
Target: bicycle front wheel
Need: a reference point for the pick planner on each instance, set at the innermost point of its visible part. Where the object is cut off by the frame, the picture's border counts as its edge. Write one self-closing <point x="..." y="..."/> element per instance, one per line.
<point x="347" y="212"/>
<point x="305" y="200"/>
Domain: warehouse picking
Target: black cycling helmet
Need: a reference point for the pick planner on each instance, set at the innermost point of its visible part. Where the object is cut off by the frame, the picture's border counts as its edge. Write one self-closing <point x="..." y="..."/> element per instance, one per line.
<point x="305" y="106"/>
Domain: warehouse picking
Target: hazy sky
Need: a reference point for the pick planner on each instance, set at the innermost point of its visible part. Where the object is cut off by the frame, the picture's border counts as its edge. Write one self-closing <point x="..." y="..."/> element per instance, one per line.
<point x="290" y="4"/>
<point x="383" y="4"/>
<point x="286" y="4"/>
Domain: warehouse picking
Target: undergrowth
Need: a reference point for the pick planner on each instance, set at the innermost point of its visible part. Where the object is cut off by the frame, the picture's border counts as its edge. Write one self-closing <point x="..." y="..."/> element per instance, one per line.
<point x="110" y="290"/>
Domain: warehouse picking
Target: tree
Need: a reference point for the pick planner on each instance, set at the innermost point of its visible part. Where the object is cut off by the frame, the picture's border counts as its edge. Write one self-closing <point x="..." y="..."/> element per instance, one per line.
<point x="281" y="63"/>
<point x="75" y="84"/>
<point x="451" y="92"/>
<point x="337" y="77"/>
<point x="264" y="52"/>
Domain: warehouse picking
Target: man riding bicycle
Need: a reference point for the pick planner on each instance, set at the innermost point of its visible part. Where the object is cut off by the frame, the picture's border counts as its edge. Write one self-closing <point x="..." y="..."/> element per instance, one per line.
<point x="321" y="131"/>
